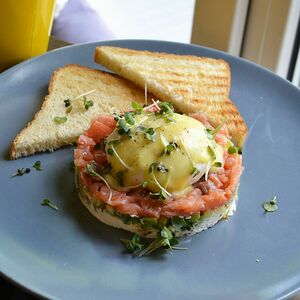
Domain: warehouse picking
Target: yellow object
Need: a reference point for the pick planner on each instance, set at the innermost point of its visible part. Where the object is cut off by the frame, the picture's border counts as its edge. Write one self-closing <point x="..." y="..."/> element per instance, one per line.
<point x="136" y="159"/>
<point x="24" y="29"/>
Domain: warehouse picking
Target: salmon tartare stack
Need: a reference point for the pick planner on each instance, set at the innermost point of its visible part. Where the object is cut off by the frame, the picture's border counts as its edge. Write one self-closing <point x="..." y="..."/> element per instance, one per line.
<point x="153" y="168"/>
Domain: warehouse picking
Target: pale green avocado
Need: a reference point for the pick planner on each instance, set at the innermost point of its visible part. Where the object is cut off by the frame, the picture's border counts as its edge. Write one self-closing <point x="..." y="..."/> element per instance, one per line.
<point x="141" y="159"/>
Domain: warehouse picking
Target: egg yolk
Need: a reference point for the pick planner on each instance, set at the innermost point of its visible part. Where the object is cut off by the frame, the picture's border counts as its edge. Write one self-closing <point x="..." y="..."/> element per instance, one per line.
<point x="160" y="153"/>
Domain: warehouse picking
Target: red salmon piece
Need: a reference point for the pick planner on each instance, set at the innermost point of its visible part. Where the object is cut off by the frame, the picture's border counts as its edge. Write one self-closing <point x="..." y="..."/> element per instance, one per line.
<point x="204" y="196"/>
<point x="101" y="128"/>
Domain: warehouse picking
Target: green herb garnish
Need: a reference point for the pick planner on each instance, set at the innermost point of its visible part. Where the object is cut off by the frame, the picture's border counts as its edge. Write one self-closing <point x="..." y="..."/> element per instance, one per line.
<point x="165" y="238"/>
<point x="170" y="147"/>
<point x="150" y="134"/>
<point x="195" y="171"/>
<point x="180" y="223"/>
<point x="90" y="168"/>
<point x="110" y="151"/>
<point x="137" y="107"/>
<point x="134" y="245"/>
<point x="47" y="202"/>
<point x="60" y="120"/>
<point x="37" y="165"/>
<point x="158" y="167"/>
<point x="129" y="118"/>
<point x="211" y="152"/>
<point x="270" y="206"/>
<point x="21" y="172"/>
<point x="116" y="117"/>
<point x="233" y="150"/>
<point x="123" y="128"/>
<point x="211" y="133"/>
<point x="167" y="109"/>
<point x="161" y="195"/>
<point x="67" y="102"/>
<point x="87" y="103"/>
<point x="217" y="164"/>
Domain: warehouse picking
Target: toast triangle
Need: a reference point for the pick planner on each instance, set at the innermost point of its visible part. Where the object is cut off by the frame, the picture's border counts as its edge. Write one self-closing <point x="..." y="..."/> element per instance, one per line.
<point x="112" y="94"/>
<point x="191" y="83"/>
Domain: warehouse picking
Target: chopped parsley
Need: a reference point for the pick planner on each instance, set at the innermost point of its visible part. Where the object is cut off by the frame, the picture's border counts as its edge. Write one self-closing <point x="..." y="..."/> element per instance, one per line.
<point x="37" y="165"/>
<point x="47" y="202"/>
<point x="270" y="206"/>
<point x="60" y="120"/>
<point x="21" y="172"/>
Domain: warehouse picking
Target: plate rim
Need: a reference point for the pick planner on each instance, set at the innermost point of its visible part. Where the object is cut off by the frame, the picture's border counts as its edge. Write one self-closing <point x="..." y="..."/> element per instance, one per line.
<point x="34" y="290"/>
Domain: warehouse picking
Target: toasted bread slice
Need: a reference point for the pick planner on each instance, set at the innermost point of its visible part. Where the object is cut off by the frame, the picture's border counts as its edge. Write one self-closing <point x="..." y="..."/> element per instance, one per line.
<point x="191" y="83"/>
<point x="112" y="94"/>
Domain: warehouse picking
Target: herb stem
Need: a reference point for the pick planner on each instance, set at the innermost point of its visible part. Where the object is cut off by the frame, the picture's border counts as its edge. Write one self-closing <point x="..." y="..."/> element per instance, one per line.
<point x="84" y="94"/>
<point x="92" y="172"/>
<point x="119" y="158"/>
<point x="160" y="186"/>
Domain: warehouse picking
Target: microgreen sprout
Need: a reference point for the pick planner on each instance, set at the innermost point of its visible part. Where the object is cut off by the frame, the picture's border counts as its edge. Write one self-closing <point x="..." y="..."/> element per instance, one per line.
<point x="21" y="172"/>
<point x="169" y="148"/>
<point x="37" y="165"/>
<point x="47" y="202"/>
<point x="270" y="206"/>
<point x="90" y="168"/>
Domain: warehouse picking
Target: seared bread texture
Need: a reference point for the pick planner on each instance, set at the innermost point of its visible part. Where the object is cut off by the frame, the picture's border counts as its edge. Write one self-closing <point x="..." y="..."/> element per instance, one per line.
<point x="108" y="216"/>
<point x="192" y="83"/>
<point x="109" y="93"/>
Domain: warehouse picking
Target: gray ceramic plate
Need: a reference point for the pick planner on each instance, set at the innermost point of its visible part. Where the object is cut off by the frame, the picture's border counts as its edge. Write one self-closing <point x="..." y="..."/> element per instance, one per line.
<point x="67" y="254"/>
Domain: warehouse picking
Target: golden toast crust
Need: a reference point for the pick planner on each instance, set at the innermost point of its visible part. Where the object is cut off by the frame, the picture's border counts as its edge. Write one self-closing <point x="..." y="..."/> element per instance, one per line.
<point x="113" y="94"/>
<point x="191" y="83"/>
